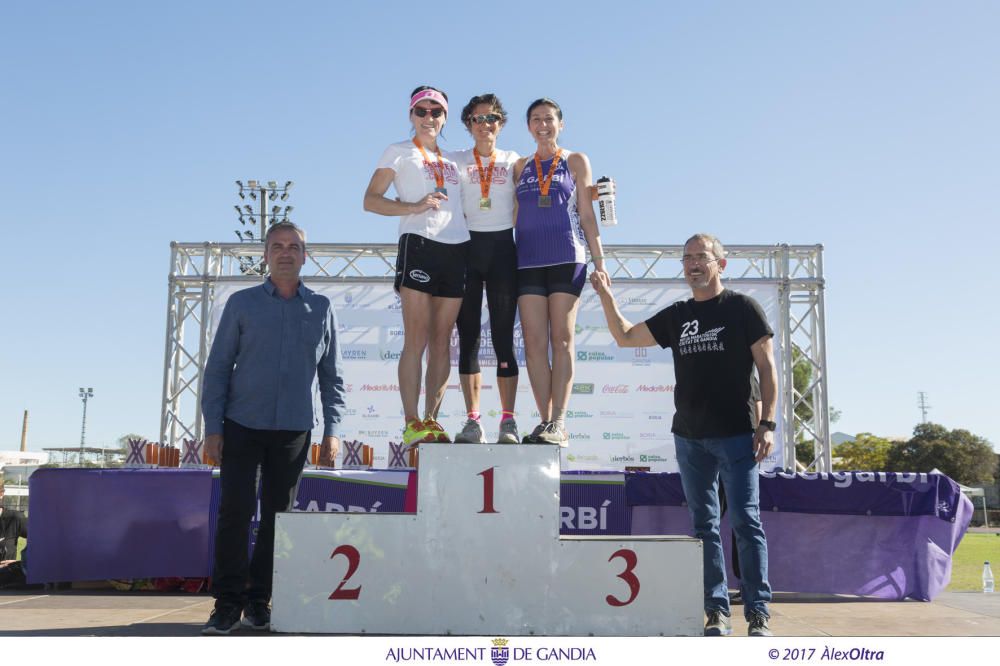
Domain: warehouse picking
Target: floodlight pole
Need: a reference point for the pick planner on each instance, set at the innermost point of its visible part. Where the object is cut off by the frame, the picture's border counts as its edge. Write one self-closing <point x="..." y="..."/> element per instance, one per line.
<point x="269" y="191"/>
<point x="85" y="394"/>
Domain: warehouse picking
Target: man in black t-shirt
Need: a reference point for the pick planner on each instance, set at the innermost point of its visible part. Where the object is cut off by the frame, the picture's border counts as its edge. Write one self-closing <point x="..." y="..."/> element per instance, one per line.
<point x="717" y="338"/>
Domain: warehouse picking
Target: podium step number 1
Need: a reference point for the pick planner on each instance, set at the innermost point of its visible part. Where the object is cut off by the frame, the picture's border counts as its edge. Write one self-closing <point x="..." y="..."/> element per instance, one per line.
<point x="482" y="556"/>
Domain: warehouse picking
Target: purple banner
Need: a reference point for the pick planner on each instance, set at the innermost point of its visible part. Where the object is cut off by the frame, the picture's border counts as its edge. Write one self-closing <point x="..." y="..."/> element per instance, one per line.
<point x="885" y="535"/>
<point x="95" y="524"/>
<point x="593" y="503"/>
<point x="851" y="493"/>
<point x="889" y="536"/>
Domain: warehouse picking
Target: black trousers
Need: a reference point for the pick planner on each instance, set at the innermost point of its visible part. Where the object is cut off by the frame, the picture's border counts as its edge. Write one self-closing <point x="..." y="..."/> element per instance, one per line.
<point x="281" y="454"/>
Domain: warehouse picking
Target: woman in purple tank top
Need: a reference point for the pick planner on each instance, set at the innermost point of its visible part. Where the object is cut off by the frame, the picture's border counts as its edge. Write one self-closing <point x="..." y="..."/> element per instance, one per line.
<point x="555" y="225"/>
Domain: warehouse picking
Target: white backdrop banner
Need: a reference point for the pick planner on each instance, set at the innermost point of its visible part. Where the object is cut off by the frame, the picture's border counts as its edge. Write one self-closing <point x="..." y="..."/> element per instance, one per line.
<point x="622" y="403"/>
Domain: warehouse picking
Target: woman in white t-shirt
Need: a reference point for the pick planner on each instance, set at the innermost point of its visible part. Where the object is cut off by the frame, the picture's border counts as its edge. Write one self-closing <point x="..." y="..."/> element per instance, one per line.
<point x="430" y="263"/>
<point x="487" y="175"/>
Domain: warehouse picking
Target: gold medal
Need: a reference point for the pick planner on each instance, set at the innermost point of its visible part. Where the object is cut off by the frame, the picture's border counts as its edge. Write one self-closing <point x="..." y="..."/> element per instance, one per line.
<point x="545" y="201"/>
<point x="485" y="179"/>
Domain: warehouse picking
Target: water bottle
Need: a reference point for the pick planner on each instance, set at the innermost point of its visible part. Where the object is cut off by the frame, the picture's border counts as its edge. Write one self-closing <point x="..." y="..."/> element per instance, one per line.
<point x="606" y="201"/>
<point x="987" y="577"/>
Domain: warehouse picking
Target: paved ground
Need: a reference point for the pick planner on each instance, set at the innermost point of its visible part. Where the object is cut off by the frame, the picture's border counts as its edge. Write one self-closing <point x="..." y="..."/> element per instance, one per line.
<point x="109" y="613"/>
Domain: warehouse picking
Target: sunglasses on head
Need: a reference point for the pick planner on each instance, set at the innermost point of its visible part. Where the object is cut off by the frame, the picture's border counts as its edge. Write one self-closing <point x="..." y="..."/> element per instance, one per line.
<point x="486" y="118"/>
<point x="421" y="112"/>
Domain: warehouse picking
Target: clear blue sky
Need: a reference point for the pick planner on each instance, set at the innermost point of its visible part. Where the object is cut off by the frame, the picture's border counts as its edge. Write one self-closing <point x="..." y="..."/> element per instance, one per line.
<point x="869" y="127"/>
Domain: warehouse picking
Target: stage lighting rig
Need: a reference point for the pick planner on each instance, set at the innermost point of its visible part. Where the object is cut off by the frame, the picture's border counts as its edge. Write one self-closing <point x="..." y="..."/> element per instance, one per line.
<point x="260" y="193"/>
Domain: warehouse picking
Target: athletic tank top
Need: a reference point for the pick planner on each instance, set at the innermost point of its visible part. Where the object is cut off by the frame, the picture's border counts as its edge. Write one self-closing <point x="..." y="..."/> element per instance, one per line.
<point x="548" y="236"/>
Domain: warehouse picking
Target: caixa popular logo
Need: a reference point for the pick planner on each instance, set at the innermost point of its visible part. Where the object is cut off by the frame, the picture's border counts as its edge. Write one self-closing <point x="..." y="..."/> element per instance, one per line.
<point x="584" y="517"/>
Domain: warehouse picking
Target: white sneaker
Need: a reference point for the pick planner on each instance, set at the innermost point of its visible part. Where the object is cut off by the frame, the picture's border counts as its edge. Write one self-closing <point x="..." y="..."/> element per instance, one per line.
<point x="472" y="433"/>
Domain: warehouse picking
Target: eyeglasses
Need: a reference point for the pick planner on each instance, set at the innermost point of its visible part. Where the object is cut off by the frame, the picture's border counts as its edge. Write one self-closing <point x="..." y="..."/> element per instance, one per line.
<point x="421" y="112"/>
<point x="702" y="259"/>
<point x="487" y="118"/>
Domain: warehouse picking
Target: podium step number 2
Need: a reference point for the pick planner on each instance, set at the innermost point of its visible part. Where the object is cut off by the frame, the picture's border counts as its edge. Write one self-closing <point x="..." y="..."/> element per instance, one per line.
<point x="482" y="556"/>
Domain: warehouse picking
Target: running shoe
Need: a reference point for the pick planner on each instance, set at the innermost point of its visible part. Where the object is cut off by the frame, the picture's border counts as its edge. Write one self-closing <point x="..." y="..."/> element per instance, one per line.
<point x="553" y="434"/>
<point x="472" y="433"/>
<point x="757" y="625"/>
<point x="257" y="616"/>
<point x="508" y="432"/>
<point x="416" y="432"/>
<point x="535" y="436"/>
<point x="718" y="624"/>
<point x="225" y="617"/>
<point x="435" y="429"/>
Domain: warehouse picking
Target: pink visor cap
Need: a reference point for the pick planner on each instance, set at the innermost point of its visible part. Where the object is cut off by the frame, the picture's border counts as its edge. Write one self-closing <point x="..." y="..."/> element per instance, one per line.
<point x="429" y="96"/>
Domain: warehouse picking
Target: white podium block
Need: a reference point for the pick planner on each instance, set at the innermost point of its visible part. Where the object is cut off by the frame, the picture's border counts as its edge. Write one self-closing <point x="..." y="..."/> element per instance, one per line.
<point x="482" y="556"/>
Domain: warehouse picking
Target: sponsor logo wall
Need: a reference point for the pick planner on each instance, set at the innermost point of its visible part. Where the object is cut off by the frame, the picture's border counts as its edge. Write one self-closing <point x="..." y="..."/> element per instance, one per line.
<point x="621" y="407"/>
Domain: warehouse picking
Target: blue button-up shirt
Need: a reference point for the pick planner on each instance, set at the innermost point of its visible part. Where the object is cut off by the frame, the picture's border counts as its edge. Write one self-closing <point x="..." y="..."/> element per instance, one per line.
<point x="266" y="353"/>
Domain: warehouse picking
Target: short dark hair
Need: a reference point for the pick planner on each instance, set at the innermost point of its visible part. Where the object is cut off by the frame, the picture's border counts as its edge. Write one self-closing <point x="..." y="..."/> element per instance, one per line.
<point x="717" y="249"/>
<point x="546" y="102"/>
<point x="284" y="226"/>
<point x="485" y="98"/>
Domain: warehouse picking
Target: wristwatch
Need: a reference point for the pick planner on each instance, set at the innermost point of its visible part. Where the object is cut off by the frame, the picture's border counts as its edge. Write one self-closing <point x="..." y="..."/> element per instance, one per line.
<point x="770" y="425"/>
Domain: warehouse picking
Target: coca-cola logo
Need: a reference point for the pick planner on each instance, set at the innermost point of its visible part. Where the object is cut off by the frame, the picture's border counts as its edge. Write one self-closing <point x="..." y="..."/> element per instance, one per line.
<point x="615" y="388"/>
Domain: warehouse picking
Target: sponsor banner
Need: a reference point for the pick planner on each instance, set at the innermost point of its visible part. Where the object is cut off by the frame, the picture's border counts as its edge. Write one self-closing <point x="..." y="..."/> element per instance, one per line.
<point x="593" y="504"/>
<point x="622" y="400"/>
<point x="846" y="493"/>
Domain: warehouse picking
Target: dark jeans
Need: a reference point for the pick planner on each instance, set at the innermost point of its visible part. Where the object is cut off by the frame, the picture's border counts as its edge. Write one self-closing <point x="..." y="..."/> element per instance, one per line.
<point x="281" y="455"/>
<point x="702" y="463"/>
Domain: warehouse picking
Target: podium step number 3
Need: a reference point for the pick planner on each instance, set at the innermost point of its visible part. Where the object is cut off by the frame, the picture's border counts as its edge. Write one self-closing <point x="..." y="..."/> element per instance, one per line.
<point x="482" y="556"/>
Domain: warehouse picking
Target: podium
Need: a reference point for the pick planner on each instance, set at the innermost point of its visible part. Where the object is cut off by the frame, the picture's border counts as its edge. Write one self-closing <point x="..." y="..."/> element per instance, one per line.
<point x="481" y="556"/>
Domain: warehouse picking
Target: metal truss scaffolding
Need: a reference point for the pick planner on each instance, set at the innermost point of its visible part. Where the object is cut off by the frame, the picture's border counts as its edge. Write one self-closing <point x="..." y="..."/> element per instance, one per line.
<point x="797" y="270"/>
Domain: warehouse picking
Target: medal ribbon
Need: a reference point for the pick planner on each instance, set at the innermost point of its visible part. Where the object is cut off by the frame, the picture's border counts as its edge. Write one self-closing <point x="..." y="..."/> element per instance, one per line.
<point x="544" y="185"/>
<point x="439" y="169"/>
<point x="485" y="180"/>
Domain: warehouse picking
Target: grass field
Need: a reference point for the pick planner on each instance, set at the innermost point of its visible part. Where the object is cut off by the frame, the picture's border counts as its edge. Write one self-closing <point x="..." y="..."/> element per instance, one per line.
<point x="967" y="562"/>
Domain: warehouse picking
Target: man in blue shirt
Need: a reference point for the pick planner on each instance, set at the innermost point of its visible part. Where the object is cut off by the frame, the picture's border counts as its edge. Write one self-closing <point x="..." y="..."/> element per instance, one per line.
<point x="272" y="342"/>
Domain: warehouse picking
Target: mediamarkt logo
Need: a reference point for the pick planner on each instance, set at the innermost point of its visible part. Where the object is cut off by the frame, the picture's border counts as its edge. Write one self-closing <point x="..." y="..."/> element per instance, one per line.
<point x="615" y="388"/>
<point x="380" y="387"/>
<point x="654" y="388"/>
